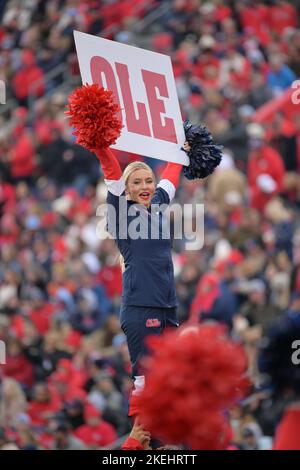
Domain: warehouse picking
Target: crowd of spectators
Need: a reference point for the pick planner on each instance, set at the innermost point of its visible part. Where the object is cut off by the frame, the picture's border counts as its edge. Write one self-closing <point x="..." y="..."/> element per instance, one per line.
<point x="66" y="380"/>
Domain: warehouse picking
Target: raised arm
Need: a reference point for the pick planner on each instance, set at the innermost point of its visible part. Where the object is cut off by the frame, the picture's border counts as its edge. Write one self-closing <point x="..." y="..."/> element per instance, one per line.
<point x="171" y="176"/>
<point x="111" y="170"/>
<point x="170" y="179"/>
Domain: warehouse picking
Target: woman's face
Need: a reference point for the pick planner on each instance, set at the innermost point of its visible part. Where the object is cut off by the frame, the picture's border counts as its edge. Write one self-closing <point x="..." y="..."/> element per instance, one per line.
<point x="141" y="186"/>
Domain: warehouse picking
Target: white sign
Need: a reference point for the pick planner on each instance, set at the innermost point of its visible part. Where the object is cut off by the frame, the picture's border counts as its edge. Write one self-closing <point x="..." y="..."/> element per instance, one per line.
<point x="144" y="86"/>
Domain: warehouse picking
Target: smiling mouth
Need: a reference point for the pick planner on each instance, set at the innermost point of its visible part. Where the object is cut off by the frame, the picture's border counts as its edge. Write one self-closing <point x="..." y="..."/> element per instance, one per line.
<point x="144" y="195"/>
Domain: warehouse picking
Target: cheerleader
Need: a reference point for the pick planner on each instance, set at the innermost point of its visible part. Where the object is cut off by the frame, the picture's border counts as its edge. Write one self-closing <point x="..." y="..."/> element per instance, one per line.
<point x="149" y="301"/>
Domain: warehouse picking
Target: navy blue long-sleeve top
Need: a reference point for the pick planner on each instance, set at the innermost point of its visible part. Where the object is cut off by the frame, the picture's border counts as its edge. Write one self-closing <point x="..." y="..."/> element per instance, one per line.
<point x="148" y="278"/>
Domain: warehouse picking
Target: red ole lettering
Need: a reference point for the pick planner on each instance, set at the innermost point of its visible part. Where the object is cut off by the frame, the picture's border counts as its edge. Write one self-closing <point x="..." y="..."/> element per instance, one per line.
<point x="152" y="81"/>
<point x="99" y="67"/>
<point x="138" y="125"/>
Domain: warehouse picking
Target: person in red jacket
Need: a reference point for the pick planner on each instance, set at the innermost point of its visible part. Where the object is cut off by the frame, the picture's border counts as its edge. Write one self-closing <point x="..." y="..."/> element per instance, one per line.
<point x="65" y="389"/>
<point x="282" y="15"/>
<point x="29" y="79"/>
<point x="265" y="169"/>
<point x="44" y="404"/>
<point x="22" y="158"/>
<point x="254" y="17"/>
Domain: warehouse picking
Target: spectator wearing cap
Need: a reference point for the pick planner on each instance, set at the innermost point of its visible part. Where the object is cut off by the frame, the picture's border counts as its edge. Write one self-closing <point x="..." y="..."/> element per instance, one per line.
<point x="265" y="168"/>
<point x="95" y="432"/>
<point x="64" y="440"/>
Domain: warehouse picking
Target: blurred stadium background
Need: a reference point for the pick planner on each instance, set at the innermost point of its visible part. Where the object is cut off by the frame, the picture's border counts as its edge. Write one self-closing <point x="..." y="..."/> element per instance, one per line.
<point x="66" y="379"/>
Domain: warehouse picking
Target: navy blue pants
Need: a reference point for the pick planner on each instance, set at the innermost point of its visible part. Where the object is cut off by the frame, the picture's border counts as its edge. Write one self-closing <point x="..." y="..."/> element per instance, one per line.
<point x="140" y="322"/>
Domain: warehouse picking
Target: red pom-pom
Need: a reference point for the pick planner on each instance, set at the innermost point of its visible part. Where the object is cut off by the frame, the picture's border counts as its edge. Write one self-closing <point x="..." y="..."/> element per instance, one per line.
<point x="193" y="376"/>
<point x="95" y="117"/>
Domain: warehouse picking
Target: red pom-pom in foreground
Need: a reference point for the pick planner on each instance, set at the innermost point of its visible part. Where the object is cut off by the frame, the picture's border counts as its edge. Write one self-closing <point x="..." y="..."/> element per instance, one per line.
<point x="95" y="117"/>
<point x="193" y="376"/>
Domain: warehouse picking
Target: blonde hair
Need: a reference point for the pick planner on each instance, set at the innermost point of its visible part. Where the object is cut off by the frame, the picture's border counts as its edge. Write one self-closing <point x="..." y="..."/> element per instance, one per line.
<point x="131" y="168"/>
<point x="134" y="166"/>
<point x="13" y="401"/>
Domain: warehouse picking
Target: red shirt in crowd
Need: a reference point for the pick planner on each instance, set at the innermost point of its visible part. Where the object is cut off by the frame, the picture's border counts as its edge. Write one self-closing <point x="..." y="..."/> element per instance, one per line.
<point x="19" y="368"/>
<point x="7" y="196"/>
<point x="22" y="157"/>
<point x="39" y="412"/>
<point x="100" y="435"/>
<point x="255" y="18"/>
<point x="287" y="435"/>
<point x="281" y="16"/>
<point x="29" y="79"/>
<point x="264" y="161"/>
<point x="111" y="278"/>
